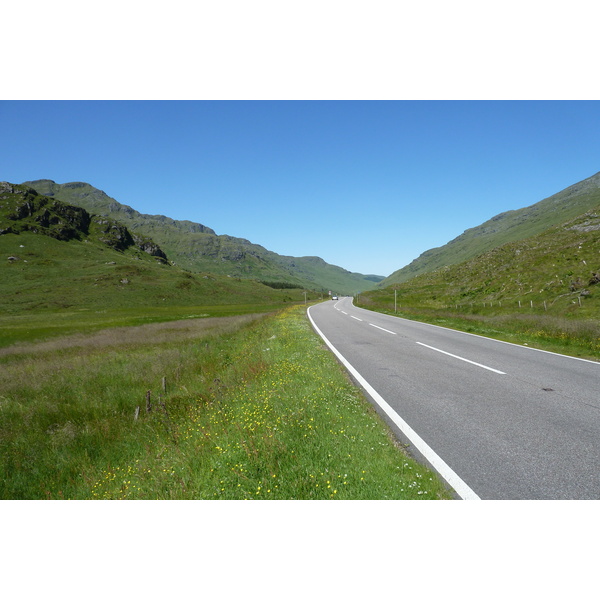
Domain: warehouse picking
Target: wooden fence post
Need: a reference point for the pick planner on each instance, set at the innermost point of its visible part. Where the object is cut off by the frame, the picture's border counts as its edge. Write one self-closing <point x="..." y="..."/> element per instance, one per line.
<point x="148" y="403"/>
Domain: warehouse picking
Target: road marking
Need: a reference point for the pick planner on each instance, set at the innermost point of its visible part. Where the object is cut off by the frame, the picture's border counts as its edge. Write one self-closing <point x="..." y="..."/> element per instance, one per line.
<point x="461" y="358"/>
<point x="344" y="313"/>
<point x="382" y="329"/>
<point x="444" y="470"/>
<point x="594" y="362"/>
<point x="356" y="318"/>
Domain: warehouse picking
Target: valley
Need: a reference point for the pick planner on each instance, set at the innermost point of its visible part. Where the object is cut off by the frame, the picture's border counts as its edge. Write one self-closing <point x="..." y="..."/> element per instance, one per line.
<point x="100" y="304"/>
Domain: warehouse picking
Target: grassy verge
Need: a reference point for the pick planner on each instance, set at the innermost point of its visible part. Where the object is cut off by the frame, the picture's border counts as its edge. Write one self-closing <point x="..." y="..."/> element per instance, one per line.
<point x="254" y="408"/>
<point x="565" y="333"/>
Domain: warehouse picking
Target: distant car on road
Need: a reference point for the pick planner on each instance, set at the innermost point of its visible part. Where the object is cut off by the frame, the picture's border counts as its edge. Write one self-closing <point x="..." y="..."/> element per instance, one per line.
<point x="334" y="297"/>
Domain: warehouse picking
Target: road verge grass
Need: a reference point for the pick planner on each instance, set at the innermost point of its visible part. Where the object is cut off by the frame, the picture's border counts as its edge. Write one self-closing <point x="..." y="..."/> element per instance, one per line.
<point x="564" y="334"/>
<point x="260" y="410"/>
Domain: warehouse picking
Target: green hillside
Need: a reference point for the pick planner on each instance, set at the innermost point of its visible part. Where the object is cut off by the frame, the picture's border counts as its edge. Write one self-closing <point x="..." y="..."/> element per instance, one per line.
<point x="61" y="267"/>
<point x="560" y="267"/>
<point x="198" y="248"/>
<point x="506" y="227"/>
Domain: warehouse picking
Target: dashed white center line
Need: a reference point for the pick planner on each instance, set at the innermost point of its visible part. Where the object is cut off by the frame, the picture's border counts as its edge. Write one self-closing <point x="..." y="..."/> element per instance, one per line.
<point x="382" y="329"/>
<point x="344" y="313"/>
<point x="356" y="318"/>
<point x="461" y="358"/>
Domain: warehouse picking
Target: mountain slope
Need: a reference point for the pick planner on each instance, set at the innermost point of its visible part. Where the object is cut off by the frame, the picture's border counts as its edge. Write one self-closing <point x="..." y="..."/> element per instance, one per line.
<point x="506" y="227"/>
<point x="56" y="256"/>
<point x="559" y="267"/>
<point x="198" y="248"/>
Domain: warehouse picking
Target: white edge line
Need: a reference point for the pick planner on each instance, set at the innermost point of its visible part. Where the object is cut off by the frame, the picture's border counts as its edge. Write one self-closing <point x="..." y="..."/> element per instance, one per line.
<point x="459" y="486"/>
<point x="382" y="329"/>
<point x="594" y="362"/>
<point x="461" y="358"/>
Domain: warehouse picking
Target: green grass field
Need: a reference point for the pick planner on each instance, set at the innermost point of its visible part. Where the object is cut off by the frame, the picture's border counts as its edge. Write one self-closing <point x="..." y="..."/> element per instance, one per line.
<point x="254" y="407"/>
<point x="252" y="404"/>
<point x="53" y="287"/>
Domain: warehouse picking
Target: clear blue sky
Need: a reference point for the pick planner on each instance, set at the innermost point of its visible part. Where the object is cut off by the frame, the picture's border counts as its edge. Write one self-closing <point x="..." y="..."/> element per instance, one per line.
<point x="365" y="185"/>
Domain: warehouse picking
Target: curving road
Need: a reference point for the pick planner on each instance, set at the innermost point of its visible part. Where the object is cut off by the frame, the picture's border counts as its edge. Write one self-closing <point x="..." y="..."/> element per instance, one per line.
<point x="496" y="420"/>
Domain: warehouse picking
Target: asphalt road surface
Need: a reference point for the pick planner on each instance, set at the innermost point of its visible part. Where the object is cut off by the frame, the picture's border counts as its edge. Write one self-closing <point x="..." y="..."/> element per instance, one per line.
<point x="496" y="420"/>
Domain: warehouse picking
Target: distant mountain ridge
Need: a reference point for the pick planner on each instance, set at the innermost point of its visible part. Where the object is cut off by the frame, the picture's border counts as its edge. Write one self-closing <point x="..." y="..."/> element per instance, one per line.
<point x="510" y="226"/>
<point x="101" y="203"/>
<point x="198" y="248"/>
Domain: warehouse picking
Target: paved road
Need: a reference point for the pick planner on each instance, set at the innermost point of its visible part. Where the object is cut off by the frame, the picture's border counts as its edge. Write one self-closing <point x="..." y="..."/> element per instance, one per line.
<point x="497" y="420"/>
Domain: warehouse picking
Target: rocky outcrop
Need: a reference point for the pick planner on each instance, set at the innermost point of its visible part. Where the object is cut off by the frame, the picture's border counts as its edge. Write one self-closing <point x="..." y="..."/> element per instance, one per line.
<point x="148" y="246"/>
<point x="23" y="209"/>
<point x="29" y="211"/>
<point x="111" y="233"/>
